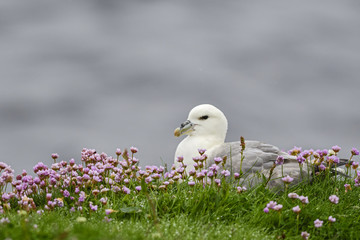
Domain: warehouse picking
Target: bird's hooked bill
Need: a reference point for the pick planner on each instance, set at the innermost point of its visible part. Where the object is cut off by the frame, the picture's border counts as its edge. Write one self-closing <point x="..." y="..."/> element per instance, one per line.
<point x="184" y="128"/>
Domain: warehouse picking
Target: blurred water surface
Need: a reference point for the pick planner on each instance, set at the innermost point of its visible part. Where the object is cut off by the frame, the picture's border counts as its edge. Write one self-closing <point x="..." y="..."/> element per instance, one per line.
<point x="107" y="74"/>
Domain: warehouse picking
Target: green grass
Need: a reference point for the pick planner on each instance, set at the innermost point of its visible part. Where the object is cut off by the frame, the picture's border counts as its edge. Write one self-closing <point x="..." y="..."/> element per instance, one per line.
<point x="184" y="212"/>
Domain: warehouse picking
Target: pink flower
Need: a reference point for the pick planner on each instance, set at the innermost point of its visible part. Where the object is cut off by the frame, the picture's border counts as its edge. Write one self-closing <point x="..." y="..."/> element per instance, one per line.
<point x="336" y="148"/>
<point x="210" y="174"/>
<point x="322" y="167"/>
<point x="304" y="199"/>
<point x="355" y="165"/>
<point x="318" y="223"/>
<point x="305" y="235"/>
<point x="118" y="152"/>
<point x="66" y="193"/>
<point x="278" y="207"/>
<point x="54" y="156"/>
<point x="271" y="204"/>
<point x="295" y="151"/>
<point x="126" y="190"/>
<point x="191" y="183"/>
<point x="354" y="151"/>
<point x="103" y="200"/>
<point x="266" y="210"/>
<point x="287" y="179"/>
<point x="293" y="195"/>
<point x="241" y="189"/>
<point x="296" y="209"/>
<point x="217" y="160"/>
<point x="201" y="151"/>
<point x="134" y="150"/>
<point x="226" y="173"/>
<point x="334" y="199"/>
<point x="280" y="160"/>
<point x="331" y="219"/>
<point x="93" y="207"/>
<point x="180" y="159"/>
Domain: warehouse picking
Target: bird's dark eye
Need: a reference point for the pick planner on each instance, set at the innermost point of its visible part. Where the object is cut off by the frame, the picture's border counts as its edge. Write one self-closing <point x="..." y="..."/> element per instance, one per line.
<point x="204" y="117"/>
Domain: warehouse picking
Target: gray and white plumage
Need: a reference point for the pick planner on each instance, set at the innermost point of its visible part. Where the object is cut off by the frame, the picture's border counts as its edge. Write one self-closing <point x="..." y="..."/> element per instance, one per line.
<point x="206" y="128"/>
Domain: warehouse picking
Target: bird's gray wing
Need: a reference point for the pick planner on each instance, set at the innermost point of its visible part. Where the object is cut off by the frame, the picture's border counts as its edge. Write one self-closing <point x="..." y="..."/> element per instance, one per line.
<point x="259" y="158"/>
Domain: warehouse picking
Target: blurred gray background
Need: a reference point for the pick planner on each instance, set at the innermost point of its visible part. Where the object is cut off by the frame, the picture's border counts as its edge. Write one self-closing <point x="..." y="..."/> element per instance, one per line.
<point x="105" y="74"/>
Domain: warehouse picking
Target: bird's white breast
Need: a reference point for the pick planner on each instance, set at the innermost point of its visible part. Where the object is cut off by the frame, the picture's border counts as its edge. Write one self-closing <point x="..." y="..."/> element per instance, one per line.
<point x="188" y="148"/>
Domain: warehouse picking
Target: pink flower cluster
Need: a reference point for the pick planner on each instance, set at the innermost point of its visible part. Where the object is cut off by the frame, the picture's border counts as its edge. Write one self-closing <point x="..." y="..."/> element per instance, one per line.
<point x="85" y="186"/>
<point x="272" y="205"/>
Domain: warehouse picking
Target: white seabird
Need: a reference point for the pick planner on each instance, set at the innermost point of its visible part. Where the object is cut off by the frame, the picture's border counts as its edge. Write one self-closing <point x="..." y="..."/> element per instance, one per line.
<point x="206" y="128"/>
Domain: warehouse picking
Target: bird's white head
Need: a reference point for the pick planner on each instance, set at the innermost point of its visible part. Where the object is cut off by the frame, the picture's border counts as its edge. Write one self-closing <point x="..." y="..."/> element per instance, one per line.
<point x="204" y="120"/>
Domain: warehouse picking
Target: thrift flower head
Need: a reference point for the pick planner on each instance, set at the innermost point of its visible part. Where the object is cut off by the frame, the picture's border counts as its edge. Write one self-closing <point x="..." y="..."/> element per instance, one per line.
<point x="278" y="207"/>
<point x="271" y="204"/>
<point x="217" y="160"/>
<point x="331" y="219"/>
<point x="66" y="193"/>
<point x="296" y="209"/>
<point x="5" y="197"/>
<point x="103" y="200"/>
<point x="300" y="159"/>
<point x="54" y="156"/>
<point x="280" y="160"/>
<point x="126" y="190"/>
<point x="134" y="150"/>
<point x="201" y="151"/>
<point x="354" y="151"/>
<point x="93" y="207"/>
<point x="293" y="195"/>
<point x="241" y="189"/>
<point x="200" y="175"/>
<point x="226" y="173"/>
<point x="295" y="151"/>
<point x="355" y="165"/>
<point x="322" y="167"/>
<point x="287" y="179"/>
<point x="336" y="148"/>
<point x="333" y="159"/>
<point x="318" y="223"/>
<point x="304" y="199"/>
<point x="191" y="183"/>
<point x="305" y="235"/>
<point x="306" y="154"/>
<point x="334" y="199"/>
<point x="192" y="172"/>
<point x="118" y="152"/>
